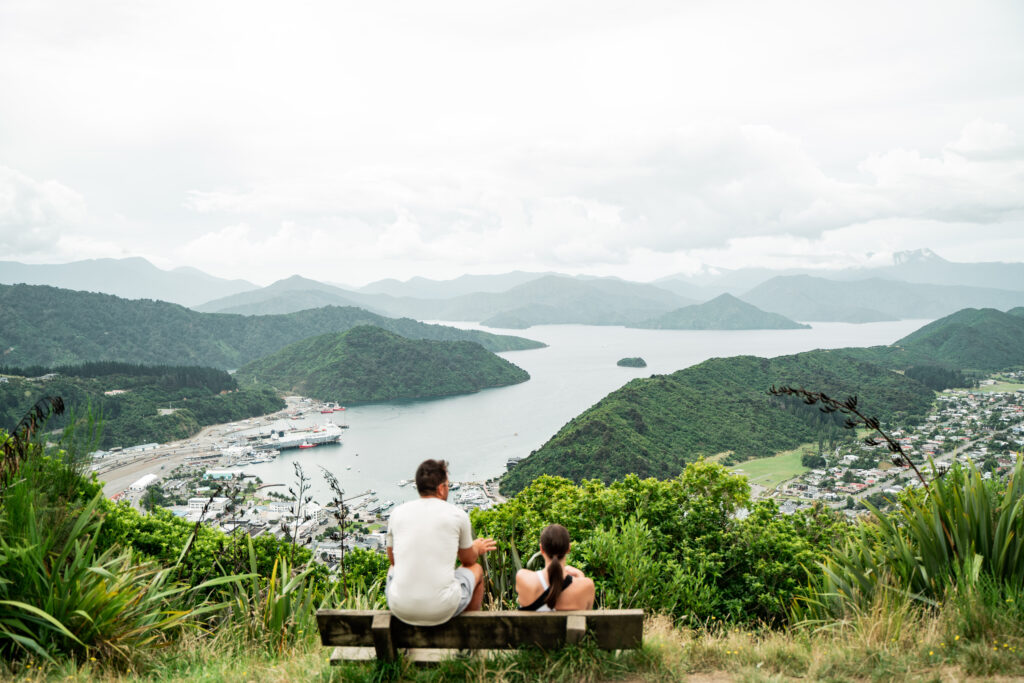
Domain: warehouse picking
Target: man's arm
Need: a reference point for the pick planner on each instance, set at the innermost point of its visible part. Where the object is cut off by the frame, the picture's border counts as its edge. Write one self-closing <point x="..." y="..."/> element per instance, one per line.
<point x="481" y="546"/>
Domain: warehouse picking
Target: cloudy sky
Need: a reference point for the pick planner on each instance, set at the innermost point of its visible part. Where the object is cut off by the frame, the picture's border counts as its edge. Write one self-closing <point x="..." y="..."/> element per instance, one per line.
<point x="353" y="141"/>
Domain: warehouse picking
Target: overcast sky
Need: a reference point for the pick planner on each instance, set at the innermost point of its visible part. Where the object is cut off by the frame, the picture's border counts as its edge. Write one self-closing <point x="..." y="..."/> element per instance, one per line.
<point x="354" y="141"/>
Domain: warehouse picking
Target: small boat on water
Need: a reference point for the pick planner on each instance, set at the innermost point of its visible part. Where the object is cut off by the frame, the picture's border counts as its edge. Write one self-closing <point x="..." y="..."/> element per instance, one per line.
<point x="403" y="482"/>
<point x="306" y="444"/>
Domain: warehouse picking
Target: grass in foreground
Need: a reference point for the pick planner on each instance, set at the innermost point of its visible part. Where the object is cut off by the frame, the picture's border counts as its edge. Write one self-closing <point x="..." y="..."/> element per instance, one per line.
<point x="883" y="644"/>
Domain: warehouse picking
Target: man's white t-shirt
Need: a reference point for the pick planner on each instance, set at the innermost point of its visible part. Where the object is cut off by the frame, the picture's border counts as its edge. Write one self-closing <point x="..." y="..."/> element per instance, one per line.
<point x="425" y="536"/>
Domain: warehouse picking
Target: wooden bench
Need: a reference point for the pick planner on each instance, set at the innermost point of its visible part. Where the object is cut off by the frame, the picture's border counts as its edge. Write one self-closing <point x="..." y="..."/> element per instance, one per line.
<point x="369" y="634"/>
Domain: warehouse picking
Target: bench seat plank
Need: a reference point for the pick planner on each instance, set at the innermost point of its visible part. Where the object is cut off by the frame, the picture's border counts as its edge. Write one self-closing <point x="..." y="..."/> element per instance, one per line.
<point x="611" y="629"/>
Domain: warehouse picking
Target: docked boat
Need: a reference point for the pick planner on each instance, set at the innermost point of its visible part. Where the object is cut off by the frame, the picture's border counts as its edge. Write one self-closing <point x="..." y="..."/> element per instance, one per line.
<point x="281" y="440"/>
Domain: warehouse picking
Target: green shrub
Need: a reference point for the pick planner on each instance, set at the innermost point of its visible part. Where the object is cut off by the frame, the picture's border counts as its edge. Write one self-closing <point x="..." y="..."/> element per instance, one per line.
<point x="684" y="537"/>
<point x="963" y="530"/>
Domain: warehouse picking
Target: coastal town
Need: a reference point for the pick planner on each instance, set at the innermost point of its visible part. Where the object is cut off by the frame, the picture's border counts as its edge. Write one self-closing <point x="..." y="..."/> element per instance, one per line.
<point x="204" y="479"/>
<point x="982" y="426"/>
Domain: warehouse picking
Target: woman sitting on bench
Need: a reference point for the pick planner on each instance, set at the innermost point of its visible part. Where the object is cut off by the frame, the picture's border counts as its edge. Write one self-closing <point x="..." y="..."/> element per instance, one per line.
<point x="558" y="586"/>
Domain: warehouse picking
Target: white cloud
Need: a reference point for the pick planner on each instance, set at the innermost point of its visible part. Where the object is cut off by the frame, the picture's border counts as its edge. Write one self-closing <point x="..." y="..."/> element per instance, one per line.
<point x="399" y="139"/>
<point x="33" y="212"/>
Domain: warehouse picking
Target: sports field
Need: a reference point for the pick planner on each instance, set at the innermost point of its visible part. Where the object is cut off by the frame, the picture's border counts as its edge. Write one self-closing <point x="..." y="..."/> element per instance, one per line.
<point x="998" y="387"/>
<point x="770" y="472"/>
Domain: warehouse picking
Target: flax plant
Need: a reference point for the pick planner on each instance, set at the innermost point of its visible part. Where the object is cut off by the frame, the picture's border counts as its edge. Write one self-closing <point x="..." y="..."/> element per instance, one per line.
<point x="963" y="529"/>
<point x="276" y="612"/>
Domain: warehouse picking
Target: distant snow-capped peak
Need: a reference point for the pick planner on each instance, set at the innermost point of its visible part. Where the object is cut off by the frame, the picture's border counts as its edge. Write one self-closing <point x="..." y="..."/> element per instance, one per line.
<point x="923" y="255"/>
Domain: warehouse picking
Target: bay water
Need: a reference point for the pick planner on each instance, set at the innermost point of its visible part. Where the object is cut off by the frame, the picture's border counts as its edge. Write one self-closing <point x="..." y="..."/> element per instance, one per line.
<point x="477" y="433"/>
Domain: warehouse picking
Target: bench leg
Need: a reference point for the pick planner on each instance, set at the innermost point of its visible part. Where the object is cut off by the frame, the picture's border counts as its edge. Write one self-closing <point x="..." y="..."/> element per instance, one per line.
<point x="382" y="637"/>
<point x="575" y="627"/>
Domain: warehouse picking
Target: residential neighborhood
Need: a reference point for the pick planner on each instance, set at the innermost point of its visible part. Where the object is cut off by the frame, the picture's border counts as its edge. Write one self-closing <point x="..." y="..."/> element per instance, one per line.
<point x="981" y="426"/>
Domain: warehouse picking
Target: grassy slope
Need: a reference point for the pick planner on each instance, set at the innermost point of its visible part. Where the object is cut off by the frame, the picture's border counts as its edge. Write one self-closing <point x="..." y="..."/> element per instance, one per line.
<point x="886" y="645"/>
<point x="770" y="472"/>
<point x="368" y="364"/>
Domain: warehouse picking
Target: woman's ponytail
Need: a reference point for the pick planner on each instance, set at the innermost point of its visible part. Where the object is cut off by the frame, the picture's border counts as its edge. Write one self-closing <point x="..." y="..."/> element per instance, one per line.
<point x="554" y="541"/>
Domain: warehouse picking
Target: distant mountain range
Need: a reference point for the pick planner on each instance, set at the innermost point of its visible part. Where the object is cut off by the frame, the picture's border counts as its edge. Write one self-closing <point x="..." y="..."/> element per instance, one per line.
<point x="918" y="284"/>
<point x="130" y="278"/>
<point x="921" y="266"/>
<point x="423" y="288"/>
<point x="290" y="295"/>
<point x="368" y="364"/>
<point x="546" y="299"/>
<point x="724" y="312"/>
<point x="803" y="297"/>
<point x="51" y="326"/>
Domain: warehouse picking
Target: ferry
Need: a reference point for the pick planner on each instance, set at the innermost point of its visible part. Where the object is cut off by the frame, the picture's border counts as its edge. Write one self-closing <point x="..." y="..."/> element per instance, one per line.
<point x="281" y="440"/>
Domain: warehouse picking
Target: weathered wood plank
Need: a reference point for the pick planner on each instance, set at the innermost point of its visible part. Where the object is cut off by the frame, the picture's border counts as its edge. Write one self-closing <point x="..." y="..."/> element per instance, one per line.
<point x="352" y="654"/>
<point x="611" y="629"/>
<point x="575" y="627"/>
<point x="383" y="643"/>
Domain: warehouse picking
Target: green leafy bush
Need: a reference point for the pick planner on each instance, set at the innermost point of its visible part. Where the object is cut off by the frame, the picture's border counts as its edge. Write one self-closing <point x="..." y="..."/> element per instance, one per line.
<point x="964" y="530"/>
<point x="680" y="546"/>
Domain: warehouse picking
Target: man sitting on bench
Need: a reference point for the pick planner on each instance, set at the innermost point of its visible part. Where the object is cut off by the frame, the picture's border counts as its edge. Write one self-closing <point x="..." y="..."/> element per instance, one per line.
<point x="424" y="538"/>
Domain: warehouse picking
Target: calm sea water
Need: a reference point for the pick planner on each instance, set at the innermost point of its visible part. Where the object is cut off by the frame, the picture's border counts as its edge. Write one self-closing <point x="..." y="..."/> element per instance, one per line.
<point x="477" y="433"/>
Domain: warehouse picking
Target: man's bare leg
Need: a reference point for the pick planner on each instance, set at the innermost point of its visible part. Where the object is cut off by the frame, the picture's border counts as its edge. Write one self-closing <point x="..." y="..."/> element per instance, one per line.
<point x="477" y="600"/>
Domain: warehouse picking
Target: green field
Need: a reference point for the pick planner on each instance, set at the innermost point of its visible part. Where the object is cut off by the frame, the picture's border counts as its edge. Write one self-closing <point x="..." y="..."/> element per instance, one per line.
<point x="770" y="472"/>
<point x="999" y="387"/>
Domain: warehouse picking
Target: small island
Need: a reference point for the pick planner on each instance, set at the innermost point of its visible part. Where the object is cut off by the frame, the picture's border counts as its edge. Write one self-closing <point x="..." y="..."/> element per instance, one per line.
<point x="636" y="362"/>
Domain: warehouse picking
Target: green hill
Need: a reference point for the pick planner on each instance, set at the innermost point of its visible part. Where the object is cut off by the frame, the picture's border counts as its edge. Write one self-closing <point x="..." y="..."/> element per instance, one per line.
<point x="654" y="426"/>
<point x="724" y="312"/>
<point x="367" y="364"/>
<point x="975" y="339"/>
<point x="50" y="326"/>
<point x="137" y="403"/>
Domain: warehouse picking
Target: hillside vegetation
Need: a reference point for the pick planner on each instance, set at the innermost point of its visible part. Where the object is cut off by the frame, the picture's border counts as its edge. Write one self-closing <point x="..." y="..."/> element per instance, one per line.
<point x="980" y="340"/>
<point x="724" y="312"/>
<point x="655" y="426"/>
<point x="50" y="326"/>
<point x="971" y="339"/>
<point x="367" y="364"/>
<point x="145" y="404"/>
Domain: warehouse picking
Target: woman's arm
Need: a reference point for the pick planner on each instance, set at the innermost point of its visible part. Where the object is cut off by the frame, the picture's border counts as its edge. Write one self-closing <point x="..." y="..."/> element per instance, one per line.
<point x="573" y="572"/>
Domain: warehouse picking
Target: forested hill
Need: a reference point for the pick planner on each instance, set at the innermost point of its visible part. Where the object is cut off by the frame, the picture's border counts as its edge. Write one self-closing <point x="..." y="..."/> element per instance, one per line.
<point x="369" y="364"/>
<point x="654" y="426"/>
<point x="982" y="339"/>
<point x="50" y="326"/>
<point x="724" y="312"/>
<point x="977" y="339"/>
<point x="137" y="404"/>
